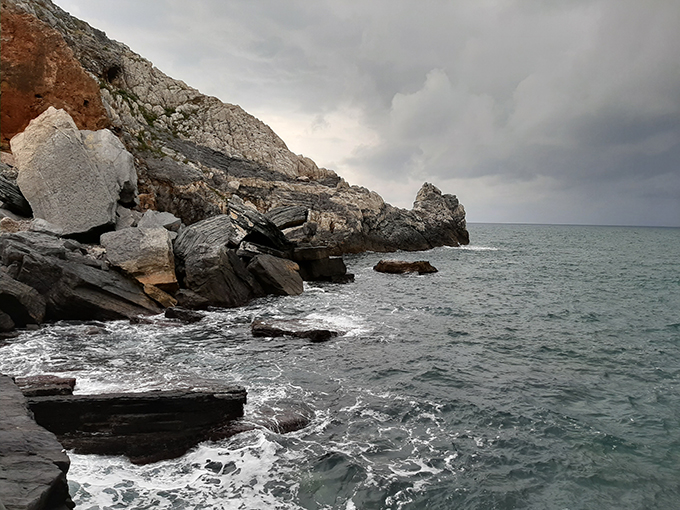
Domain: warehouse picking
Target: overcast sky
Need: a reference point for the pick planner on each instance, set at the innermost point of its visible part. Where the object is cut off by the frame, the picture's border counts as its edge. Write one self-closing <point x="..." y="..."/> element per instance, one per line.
<point x="545" y="111"/>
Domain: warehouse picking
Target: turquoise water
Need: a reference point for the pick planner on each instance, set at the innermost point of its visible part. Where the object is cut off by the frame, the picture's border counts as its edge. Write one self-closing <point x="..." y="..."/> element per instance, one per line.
<point x="539" y="368"/>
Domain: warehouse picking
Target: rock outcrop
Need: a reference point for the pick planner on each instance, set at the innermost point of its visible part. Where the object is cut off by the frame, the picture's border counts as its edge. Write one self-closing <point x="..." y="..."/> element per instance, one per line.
<point x="73" y="179"/>
<point x="33" y="464"/>
<point x="194" y="154"/>
<point x="401" y="267"/>
<point x="292" y="328"/>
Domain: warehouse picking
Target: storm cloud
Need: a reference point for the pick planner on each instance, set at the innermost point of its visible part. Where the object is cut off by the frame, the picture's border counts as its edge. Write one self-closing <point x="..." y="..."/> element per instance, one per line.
<point x="529" y="111"/>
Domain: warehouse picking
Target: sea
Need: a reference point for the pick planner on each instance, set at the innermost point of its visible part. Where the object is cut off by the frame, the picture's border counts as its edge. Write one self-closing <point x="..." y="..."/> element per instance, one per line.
<point x="539" y="368"/>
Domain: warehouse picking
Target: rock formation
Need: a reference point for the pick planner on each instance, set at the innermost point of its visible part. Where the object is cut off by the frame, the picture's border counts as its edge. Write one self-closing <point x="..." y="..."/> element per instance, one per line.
<point x="401" y="267"/>
<point x="194" y="153"/>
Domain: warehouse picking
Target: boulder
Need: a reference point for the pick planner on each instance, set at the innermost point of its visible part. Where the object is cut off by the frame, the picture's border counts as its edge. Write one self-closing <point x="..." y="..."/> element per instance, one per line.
<point x="217" y="231"/>
<point x="316" y="265"/>
<point x="33" y="465"/>
<point x="159" y="296"/>
<point x="288" y="216"/>
<point x="260" y="230"/>
<point x="276" y="276"/>
<point x="155" y="219"/>
<point x="294" y="328"/>
<point x="400" y="267"/>
<point x="145" y="427"/>
<point x="144" y="253"/>
<point x="126" y="218"/>
<point x="23" y="304"/>
<point x="219" y="277"/>
<point x="72" y="284"/>
<point x="70" y="178"/>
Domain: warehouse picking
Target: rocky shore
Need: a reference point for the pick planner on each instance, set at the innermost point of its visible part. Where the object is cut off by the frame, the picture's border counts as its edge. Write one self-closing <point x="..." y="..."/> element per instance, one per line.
<point x="124" y="193"/>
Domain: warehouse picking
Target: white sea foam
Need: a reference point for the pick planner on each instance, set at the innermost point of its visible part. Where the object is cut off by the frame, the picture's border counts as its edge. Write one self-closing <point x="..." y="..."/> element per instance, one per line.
<point x="473" y="248"/>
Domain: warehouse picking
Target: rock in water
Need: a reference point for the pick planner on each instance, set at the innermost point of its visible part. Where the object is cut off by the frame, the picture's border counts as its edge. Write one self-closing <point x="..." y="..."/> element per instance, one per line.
<point x="400" y="267"/>
<point x="294" y="328"/>
<point x="277" y="276"/>
<point x="72" y="179"/>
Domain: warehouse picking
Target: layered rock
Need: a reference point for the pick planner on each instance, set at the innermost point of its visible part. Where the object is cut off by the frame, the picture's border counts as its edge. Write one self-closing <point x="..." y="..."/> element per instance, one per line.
<point x="72" y="178"/>
<point x="194" y="153"/>
<point x="402" y="266"/>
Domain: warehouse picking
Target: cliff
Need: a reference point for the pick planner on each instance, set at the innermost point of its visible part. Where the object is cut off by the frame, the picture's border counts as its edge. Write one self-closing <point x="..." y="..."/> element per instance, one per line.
<point x="193" y="152"/>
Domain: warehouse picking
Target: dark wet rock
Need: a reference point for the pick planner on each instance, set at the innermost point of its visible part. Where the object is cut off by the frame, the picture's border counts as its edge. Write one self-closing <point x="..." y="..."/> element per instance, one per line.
<point x="259" y="228"/>
<point x="276" y="276"/>
<point x="249" y="250"/>
<point x="184" y="315"/>
<point x="145" y="427"/>
<point x="281" y="417"/>
<point x="14" y="200"/>
<point x="316" y="265"/>
<point x="400" y="267"/>
<point x="23" y="304"/>
<point x="33" y="464"/>
<point x="288" y="216"/>
<point x="70" y="286"/>
<point x="294" y="328"/>
<point x="42" y="385"/>
<point x="219" y="277"/>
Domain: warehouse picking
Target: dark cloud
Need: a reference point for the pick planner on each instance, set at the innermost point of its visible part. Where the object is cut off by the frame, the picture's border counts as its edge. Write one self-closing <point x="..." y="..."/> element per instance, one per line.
<point x="560" y="100"/>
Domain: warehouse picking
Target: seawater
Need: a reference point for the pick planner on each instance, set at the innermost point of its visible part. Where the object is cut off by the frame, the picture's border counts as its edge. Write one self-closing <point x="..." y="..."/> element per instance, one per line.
<point x="539" y="368"/>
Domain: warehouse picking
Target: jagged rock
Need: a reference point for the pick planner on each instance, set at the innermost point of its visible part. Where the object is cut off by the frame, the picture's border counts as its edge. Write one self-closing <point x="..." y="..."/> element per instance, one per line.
<point x="23" y="304"/>
<point x="159" y="296"/>
<point x="10" y="225"/>
<point x="276" y="276"/>
<point x="219" y="277"/>
<point x="33" y="465"/>
<point x="260" y="229"/>
<point x="6" y="323"/>
<point x="40" y="70"/>
<point x="71" y="284"/>
<point x="144" y="253"/>
<point x="400" y="267"/>
<point x="13" y="199"/>
<point x="155" y="219"/>
<point x="288" y="216"/>
<point x="249" y="250"/>
<point x="145" y="427"/>
<point x="316" y="265"/>
<point x="443" y="217"/>
<point x="188" y="316"/>
<point x="216" y="231"/>
<point x="45" y="227"/>
<point x="72" y="179"/>
<point x="42" y="385"/>
<point x="126" y="218"/>
<point x="294" y="328"/>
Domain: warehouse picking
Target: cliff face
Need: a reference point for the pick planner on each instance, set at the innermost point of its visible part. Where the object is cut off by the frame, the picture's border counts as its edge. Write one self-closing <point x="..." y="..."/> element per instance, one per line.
<point x="193" y="152"/>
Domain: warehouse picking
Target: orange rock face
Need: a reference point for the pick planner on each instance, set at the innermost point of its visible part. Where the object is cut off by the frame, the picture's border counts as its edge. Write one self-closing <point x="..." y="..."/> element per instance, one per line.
<point x="39" y="70"/>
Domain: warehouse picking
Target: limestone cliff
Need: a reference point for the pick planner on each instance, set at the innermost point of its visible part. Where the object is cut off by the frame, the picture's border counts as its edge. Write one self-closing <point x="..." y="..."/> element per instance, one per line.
<point x="194" y="152"/>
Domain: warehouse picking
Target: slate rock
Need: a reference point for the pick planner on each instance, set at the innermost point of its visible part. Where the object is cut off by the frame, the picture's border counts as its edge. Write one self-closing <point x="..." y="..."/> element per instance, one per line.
<point x="288" y="216"/>
<point x="40" y="385"/>
<point x="277" y="276"/>
<point x="260" y="230"/>
<point x="292" y="327"/>
<point x="184" y="315"/>
<point x="155" y="219"/>
<point x="14" y="200"/>
<point x="400" y="267"/>
<point x="23" y="304"/>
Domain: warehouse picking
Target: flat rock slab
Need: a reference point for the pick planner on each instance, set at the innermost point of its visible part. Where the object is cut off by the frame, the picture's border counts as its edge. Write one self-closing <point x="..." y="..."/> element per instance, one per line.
<point x="39" y="385"/>
<point x="33" y="465"/>
<point x="401" y="266"/>
<point x="145" y="427"/>
<point x="294" y="328"/>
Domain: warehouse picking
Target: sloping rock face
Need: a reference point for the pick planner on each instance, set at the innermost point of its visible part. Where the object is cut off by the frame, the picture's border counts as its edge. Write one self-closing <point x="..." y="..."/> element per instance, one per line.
<point x="194" y="153"/>
<point x="40" y="70"/>
<point x="73" y="179"/>
<point x="33" y="465"/>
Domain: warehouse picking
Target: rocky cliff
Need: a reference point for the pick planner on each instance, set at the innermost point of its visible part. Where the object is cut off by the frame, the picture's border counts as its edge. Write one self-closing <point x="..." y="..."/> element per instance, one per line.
<point x="192" y="152"/>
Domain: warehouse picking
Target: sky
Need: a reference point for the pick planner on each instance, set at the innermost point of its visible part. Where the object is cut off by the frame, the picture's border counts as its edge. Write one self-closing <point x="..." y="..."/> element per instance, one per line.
<point x="530" y="111"/>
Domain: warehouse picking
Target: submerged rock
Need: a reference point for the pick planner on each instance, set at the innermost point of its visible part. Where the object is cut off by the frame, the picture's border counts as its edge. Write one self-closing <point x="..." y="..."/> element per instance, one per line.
<point x="294" y="328"/>
<point x="400" y="267"/>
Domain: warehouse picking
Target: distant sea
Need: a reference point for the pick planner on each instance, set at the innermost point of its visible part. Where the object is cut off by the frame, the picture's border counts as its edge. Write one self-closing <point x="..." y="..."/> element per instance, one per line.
<point x="539" y="368"/>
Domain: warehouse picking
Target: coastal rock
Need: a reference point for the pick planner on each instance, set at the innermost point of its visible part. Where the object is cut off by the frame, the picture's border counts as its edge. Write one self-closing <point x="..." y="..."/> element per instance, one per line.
<point x="72" y="284"/>
<point x="292" y="327"/>
<point x="72" y="179"/>
<point x="260" y="229"/>
<point x="145" y="427"/>
<point x="159" y="296"/>
<point x="187" y="316"/>
<point x="443" y="216"/>
<point x="316" y="265"/>
<point x="144" y="253"/>
<point x="277" y="276"/>
<point x="23" y="304"/>
<point x="219" y="277"/>
<point x="13" y="199"/>
<point x="155" y="219"/>
<point x="33" y="464"/>
<point x="400" y="267"/>
<point x="41" y="385"/>
<point x="288" y="216"/>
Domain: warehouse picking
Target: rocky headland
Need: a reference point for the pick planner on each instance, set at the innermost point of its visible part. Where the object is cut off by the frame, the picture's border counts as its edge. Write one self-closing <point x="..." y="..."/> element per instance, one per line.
<point x="124" y="193"/>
